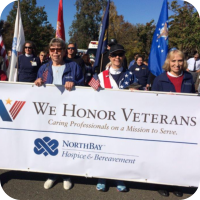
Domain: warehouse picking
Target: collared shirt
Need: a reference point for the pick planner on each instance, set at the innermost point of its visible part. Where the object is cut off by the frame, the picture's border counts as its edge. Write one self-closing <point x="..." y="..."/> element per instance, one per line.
<point x="191" y="62"/>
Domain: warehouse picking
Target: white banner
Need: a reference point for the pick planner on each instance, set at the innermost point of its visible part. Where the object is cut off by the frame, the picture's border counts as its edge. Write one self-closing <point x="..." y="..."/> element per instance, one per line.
<point x="145" y="137"/>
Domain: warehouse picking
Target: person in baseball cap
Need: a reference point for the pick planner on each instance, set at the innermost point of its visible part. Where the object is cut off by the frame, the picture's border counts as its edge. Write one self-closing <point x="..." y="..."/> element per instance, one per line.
<point x="111" y="42"/>
<point x="115" y="77"/>
<point x="106" y="60"/>
<point x="116" y="47"/>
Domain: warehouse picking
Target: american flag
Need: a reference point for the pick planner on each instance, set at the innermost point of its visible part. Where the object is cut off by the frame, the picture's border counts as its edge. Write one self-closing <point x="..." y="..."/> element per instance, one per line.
<point x="44" y="76"/>
<point x="94" y="82"/>
<point x="3" y="51"/>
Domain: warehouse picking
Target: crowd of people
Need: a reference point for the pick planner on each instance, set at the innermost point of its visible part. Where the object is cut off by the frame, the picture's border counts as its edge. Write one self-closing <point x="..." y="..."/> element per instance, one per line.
<point x="30" y="66"/>
<point x="62" y="66"/>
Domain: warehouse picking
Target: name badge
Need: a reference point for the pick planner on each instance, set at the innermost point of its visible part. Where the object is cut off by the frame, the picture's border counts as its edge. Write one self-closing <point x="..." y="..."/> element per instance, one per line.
<point x="89" y="74"/>
<point x="137" y="69"/>
<point x="33" y="63"/>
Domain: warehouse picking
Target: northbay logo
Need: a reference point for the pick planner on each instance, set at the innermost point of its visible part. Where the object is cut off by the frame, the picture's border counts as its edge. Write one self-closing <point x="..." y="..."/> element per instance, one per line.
<point x="10" y="110"/>
<point x="80" y="145"/>
<point x="46" y="146"/>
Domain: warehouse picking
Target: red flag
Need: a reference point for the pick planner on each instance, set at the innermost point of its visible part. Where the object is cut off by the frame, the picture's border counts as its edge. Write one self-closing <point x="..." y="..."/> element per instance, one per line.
<point x="60" y="30"/>
<point x="3" y="51"/>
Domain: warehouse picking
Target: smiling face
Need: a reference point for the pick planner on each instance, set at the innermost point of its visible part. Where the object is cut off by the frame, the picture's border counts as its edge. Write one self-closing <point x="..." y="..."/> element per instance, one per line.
<point x="139" y="61"/>
<point x="116" y="59"/>
<point x="176" y="63"/>
<point x="57" y="53"/>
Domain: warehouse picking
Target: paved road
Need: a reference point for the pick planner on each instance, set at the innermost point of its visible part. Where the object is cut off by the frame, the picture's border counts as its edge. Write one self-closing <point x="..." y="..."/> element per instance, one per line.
<point x="29" y="186"/>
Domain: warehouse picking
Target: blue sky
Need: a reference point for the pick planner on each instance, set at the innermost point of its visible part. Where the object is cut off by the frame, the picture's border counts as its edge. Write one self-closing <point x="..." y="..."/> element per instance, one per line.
<point x="134" y="11"/>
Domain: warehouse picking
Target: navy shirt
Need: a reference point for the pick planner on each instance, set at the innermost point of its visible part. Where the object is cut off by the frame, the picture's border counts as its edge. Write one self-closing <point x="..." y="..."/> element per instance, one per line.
<point x="28" y="68"/>
<point x="119" y="77"/>
<point x="142" y="73"/>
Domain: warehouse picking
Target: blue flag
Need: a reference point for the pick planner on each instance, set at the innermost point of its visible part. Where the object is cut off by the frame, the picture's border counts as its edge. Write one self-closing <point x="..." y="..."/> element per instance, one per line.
<point x="102" y="45"/>
<point x="159" y="47"/>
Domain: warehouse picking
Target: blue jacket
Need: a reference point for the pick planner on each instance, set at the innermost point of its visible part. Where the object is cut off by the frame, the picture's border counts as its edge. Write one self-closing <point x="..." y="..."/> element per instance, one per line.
<point x="162" y="83"/>
<point x="72" y="73"/>
<point x="142" y="73"/>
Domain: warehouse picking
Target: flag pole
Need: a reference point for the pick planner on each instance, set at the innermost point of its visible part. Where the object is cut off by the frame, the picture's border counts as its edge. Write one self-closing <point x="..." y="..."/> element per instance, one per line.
<point x="17" y="51"/>
<point x="101" y="63"/>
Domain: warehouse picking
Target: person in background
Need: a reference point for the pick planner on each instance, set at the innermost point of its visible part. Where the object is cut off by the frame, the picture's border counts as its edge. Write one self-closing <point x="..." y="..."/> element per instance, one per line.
<point x="43" y="57"/>
<point x="115" y="77"/>
<point x="3" y="76"/>
<point x="59" y="71"/>
<point x="194" y="66"/>
<point x="28" y="63"/>
<point x="145" y="62"/>
<point x="175" y="78"/>
<point x="71" y="56"/>
<point x="88" y="69"/>
<point x="133" y="61"/>
<point x="141" y="72"/>
<point x="2" y="64"/>
<point x="9" y="54"/>
<point x="92" y="61"/>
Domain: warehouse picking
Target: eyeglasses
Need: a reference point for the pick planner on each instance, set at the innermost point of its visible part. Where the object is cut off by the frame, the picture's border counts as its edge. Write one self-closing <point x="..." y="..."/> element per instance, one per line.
<point x="28" y="47"/>
<point x="72" y="48"/>
<point x="56" y="49"/>
<point x="116" y="54"/>
<point x="42" y="55"/>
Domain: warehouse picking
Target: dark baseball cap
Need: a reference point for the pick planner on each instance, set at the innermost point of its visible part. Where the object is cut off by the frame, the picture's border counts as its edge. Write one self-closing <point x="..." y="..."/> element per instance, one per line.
<point x="116" y="47"/>
<point x="112" y="42"/>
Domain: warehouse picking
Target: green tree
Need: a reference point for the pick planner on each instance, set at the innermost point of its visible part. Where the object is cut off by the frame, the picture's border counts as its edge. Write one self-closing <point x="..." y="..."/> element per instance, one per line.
<point x="87" y="21"/>
<point x="35" y="24"/>
<point x="184" y="28"/>
<point x="145" y="35"/>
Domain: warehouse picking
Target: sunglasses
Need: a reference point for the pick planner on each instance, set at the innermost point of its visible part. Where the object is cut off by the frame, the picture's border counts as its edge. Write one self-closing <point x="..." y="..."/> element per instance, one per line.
<point x="73" y="48"/>
<point x="116" y="54"/>
<point x="28" y="47"/>
<point x="56" y="49"/>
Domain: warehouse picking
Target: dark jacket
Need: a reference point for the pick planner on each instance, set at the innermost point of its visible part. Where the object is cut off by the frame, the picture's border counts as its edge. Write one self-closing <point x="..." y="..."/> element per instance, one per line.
<point x="162" y="83"/>
<point x="79" y="61"/>
<point x="142" y="73"/>
<point x="72" y="73"/>
<point x="26" y="71"/>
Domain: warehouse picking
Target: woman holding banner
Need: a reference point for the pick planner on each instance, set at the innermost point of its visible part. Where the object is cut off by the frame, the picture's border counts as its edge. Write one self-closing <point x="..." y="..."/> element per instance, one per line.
<point x="60" y="72"/>
<point x="174" y="79"/>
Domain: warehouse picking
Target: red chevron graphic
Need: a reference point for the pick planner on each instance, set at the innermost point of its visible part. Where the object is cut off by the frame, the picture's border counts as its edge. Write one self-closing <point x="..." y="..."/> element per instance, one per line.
<point x="16" y="108"/>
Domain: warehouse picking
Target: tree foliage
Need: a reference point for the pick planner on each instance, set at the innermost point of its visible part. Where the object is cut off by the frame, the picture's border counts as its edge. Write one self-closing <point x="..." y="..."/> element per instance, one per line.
<point x="184" y="31"/>
<point x="85" y="26"/>
<point x="35" y="24"/>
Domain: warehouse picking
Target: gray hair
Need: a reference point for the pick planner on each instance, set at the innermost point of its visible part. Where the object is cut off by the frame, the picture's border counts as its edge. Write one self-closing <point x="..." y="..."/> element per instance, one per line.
<point x="58" y="41"/>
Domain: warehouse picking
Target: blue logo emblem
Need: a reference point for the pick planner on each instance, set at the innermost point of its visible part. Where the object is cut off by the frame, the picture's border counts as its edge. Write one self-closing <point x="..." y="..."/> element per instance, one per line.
<point x="46" y="146"/>
<point x="14" y="46"/>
